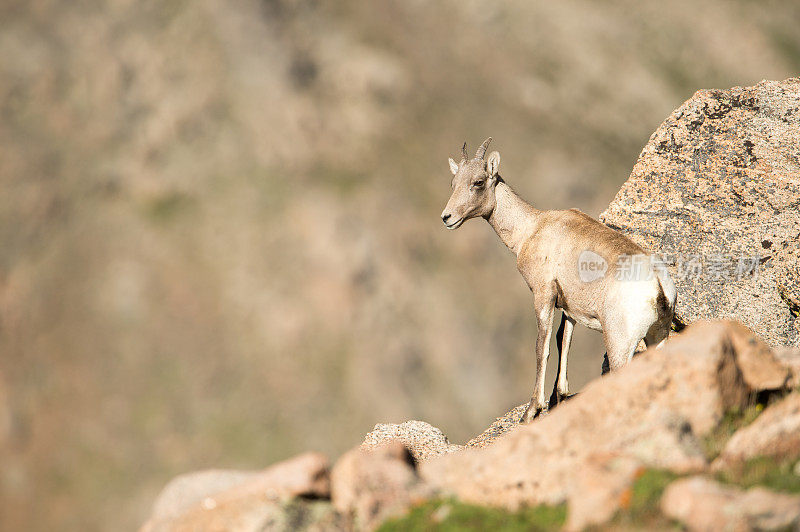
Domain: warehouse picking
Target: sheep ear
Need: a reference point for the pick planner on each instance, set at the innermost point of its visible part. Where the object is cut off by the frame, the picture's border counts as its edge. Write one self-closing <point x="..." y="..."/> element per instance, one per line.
<point x="453" y="166"/>
<point x="493" y="163"/>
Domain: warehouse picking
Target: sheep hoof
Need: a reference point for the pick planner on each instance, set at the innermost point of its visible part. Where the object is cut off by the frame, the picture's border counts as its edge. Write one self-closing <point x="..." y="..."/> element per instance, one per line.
<point x="532" y="413"/>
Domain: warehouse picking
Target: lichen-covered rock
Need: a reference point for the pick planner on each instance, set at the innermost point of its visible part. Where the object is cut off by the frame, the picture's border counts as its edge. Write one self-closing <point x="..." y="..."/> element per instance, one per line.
<point x="426" y="441"/>
<point x="501" y="426"/>
<point x="775" y="433"/>
<point x="702" y="504"/>
<point x="719" y="181"/>
<point x="422" y="439"/>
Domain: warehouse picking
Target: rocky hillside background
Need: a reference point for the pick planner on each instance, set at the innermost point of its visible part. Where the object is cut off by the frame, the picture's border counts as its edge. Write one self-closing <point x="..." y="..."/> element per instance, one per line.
<point x="219" y="234"/>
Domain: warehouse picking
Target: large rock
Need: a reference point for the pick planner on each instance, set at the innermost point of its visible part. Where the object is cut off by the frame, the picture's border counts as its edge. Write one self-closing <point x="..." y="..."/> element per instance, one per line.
<point x="720" y="178"/>
<point x="245" y="502"/>
<point x="702" y="504"/>
<point x="369" y="486"/>
<point x="185" y="491"/>
<point x="775" y="433"/>
<point x="650" y="413"/>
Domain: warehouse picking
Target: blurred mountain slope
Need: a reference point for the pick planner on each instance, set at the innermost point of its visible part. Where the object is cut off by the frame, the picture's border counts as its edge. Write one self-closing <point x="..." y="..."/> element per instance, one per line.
<point x="219" y="234"/>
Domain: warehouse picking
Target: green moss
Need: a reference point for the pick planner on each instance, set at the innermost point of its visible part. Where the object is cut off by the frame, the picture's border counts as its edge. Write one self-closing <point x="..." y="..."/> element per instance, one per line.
<point x="715" y="441"/>
<point x="443" y="516"/>
<point x="640" y="505"/>
<point x="647" y="489"/>
<point x="768" y="472"/>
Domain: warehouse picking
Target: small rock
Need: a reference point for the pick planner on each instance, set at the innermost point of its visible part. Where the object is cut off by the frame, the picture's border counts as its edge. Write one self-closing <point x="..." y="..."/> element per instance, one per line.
<point x="775" y="433"/>
<point x="702" y="504"/>
<point x="790" y="358"/>
<point x="761" y="368"/>
<point x="370" y="486"/>
<point x="422" y="439"/>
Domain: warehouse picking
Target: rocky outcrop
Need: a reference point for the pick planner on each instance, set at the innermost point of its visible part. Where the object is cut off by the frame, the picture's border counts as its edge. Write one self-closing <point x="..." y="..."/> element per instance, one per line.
<point x="717" y="189"/>
<point x="776" y="433"/>
<point x="651" y="413"/>
<point x="588" y="452"/>
<point x="702" y="504"/>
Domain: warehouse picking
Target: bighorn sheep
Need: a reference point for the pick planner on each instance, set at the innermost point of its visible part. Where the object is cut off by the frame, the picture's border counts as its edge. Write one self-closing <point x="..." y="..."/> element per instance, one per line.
<point x="595" y="275"/>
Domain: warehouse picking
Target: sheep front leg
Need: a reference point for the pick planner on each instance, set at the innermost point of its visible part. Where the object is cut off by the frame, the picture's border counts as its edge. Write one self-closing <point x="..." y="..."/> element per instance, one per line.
<point x="544" y="319"/>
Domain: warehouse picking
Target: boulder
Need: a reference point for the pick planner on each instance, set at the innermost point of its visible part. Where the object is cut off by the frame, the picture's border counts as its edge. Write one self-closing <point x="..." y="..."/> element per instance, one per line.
<point x="185" y="491"/>
<point x="650" y="413"/>
<point x="369" y="486"/>
<point x="702" y="504"/>
<point x="422" y="439"/>
<point x="775" y="433"/>
<point x="244" y="502"/>
<point x="719" y="181"/>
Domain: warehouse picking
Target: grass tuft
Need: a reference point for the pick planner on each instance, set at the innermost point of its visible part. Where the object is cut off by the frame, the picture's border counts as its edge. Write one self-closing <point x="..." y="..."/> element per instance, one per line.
<point x="732" y="421"/>
<point x="768" y="472"/>
<point x="452" y="516"/>
<point x="640" y="504"/>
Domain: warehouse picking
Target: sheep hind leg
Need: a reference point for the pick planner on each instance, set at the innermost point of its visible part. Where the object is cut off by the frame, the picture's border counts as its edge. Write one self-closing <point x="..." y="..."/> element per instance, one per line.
<point x="619" y="350"/>
<point x="563" y="342"/>
<point x="657" y="334"/>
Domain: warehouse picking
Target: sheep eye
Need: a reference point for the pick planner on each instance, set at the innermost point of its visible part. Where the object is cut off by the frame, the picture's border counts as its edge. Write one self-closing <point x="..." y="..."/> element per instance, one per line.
<point x="477" y="184"/>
